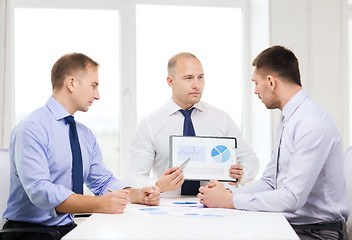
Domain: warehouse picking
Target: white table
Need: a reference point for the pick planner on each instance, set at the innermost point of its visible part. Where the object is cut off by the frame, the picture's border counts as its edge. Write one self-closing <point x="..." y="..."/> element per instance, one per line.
<point x="134" y="225"/>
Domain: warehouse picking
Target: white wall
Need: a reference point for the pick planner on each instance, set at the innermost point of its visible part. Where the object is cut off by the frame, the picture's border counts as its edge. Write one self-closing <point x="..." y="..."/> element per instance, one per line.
<point x="2" y="66"/>
<point x="258" y="130"/>
<point x="316" y="31"/>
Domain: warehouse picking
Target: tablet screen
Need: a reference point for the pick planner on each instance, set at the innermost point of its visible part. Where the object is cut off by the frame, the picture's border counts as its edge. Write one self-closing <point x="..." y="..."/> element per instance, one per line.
<point x="208" y="157"/>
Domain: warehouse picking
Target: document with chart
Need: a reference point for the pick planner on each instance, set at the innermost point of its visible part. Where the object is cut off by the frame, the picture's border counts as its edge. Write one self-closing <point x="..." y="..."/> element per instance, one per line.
<point x="208" y="157"/>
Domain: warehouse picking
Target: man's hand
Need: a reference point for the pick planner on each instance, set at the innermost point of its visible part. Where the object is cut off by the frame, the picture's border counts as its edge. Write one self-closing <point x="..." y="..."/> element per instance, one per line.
<point x="236" y="171"/>
<point x="171" y="179"/>
<point x="145" y="195"/>
<point x="149" y="195"/>
<point x="215" y="195"/>
<point x="114" y="202"/>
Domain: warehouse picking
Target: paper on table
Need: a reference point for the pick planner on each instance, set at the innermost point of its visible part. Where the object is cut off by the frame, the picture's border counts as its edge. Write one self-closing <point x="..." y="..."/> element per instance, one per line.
<point x="188" y="211"/>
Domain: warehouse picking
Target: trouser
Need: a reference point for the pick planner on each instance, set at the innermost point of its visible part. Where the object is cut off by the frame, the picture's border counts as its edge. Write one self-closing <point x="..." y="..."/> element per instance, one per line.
<point x="323" y="231"/>
<point x="33" y="235"/>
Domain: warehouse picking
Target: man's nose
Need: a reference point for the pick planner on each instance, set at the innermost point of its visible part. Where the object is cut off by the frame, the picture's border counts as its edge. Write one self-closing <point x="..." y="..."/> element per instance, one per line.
<point x="97" y="95"/>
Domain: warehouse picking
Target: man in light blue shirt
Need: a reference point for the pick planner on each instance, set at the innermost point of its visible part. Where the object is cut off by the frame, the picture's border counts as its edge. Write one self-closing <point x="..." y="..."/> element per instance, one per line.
<point x="305" y="177"/>
<point x="41" y="160"/>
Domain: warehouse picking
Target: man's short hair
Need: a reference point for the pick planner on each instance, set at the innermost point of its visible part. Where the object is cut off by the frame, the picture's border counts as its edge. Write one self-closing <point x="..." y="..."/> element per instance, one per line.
<point x="69" y="65"/>
<point x="171" y="66"/>
<point x="279" y="60"/>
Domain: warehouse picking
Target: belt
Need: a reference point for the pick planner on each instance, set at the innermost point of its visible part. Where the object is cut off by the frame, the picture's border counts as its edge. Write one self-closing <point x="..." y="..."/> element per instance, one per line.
<point x="339" y="227"/>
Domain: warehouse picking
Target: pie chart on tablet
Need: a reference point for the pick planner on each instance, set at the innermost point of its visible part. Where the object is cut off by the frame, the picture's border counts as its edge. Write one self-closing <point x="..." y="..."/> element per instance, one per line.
<point x="220" y="154"/>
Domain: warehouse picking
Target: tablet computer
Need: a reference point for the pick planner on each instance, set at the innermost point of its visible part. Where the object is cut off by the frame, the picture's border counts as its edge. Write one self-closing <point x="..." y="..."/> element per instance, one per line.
<point x="203" y="157"/>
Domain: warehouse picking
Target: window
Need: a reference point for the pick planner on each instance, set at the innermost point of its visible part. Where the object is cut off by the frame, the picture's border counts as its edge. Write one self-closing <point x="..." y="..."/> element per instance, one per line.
<point x="350" y="64"/>
<point x="38" y="44"/>
<point x="163" y="31"/>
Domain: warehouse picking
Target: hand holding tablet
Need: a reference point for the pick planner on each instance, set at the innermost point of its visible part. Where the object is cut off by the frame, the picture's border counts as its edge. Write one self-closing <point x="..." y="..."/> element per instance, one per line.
<point x="206" y="158"/>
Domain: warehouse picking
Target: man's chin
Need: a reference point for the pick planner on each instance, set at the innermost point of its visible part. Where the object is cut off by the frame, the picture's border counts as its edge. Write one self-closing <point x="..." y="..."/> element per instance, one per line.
<point x="270" y="106"/>
<point x="84" y="109"/>
<point x="195" y="100"/>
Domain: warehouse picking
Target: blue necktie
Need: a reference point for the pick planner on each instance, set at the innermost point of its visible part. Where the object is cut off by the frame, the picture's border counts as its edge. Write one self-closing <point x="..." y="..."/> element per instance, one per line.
<point x="77" y="169"/>
<point x="189" y="187"/>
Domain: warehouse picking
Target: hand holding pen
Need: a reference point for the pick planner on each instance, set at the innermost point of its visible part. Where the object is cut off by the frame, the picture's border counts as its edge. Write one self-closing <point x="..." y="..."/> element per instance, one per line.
<point x="184" y="164"/>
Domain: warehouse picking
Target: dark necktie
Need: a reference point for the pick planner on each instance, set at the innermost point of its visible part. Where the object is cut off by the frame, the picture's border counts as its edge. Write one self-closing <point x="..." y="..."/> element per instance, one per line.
<point x="189" y="187"/>
<point x="77" y="169"/>
<point x="280" y="130"/>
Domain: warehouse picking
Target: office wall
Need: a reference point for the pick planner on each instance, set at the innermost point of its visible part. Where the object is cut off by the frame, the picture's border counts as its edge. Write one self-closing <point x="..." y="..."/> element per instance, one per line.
<point x="258" y="127"/>
<point x="316" y="30"/>
<point x="2" y="66"/>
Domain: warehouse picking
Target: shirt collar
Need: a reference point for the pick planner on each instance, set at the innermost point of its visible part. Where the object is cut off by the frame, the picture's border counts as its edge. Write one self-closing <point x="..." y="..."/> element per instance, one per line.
<point x="172" y="107"/>
<point x="292" y="105"/>
<point x="56" y="108"/>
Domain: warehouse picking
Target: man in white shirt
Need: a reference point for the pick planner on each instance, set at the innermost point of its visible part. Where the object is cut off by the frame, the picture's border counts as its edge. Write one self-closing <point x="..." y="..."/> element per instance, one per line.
<point x="305" y="177"/>
<point x="150" y="146"/>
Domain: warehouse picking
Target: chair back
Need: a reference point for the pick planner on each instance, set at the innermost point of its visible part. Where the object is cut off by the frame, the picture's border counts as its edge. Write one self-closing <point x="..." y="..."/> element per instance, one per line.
<point x="348" y="176"/>
<point x="5" y="182"/>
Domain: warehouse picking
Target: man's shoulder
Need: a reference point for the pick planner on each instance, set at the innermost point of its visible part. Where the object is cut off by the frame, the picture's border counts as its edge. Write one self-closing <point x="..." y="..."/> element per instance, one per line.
<point x="313" y="115"/>
<point x="35" y="123"/>
<point x="311" y="109"/>
<point x="157" y="113"/>
<point x="206" y="107"/>
<point x="38" y="117"/>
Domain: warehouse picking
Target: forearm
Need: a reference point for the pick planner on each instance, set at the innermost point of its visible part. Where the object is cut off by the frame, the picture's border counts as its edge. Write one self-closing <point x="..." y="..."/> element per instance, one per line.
<point x="257" y="186"/>
<point x="141" y="164"/>
<point x="281" y="200"/>
<point x="77" y="203"/>
<point x="142" y="156"/>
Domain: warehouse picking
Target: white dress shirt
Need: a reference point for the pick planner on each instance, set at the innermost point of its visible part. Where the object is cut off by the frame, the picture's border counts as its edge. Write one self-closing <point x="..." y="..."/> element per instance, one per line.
<point x="150" y="146"/>
<point x="310" y="178"/>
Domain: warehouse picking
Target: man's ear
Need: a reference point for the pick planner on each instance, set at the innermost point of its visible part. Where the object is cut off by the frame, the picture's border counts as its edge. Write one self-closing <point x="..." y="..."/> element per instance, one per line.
<point x="170" y="81"/>
<point x="70" y="83"/>
<point x="272" y="81"/>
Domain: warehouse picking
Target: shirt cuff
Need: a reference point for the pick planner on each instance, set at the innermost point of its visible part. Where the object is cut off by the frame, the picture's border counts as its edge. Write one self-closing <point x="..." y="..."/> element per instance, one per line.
<point x="58" y="198"/>
<point x="116" y="185"/>
<point x="241" y="201"/>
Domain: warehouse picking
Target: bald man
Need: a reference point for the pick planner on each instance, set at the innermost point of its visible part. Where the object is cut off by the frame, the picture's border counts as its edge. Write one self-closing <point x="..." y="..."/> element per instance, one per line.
<point x="150" y="146"/>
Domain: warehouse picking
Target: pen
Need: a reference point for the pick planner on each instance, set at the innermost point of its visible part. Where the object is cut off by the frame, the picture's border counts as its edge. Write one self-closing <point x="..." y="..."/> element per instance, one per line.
<point x="184" y="203"/>
<point x="109" y="190"/>
<point x="183" y="165"/>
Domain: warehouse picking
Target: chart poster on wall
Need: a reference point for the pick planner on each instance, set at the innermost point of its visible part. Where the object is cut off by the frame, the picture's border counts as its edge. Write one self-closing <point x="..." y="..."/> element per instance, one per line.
<point x="203" y="158"/>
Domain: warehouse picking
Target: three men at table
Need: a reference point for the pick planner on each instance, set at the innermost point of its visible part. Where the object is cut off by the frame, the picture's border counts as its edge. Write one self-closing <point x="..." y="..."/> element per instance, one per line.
<point x="304" y="179"/>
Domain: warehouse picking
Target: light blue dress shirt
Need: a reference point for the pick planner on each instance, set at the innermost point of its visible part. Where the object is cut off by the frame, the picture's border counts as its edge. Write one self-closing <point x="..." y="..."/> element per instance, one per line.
<point x="41" y="166"/>
<point x="310" y="179"/>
